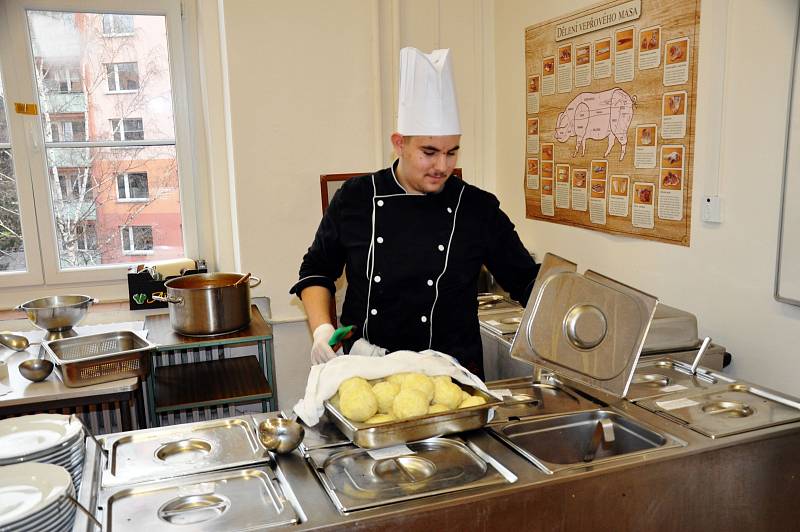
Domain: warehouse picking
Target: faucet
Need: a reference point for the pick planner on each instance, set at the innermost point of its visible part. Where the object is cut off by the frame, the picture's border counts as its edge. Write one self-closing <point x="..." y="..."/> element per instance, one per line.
<point x="603" y="432"/>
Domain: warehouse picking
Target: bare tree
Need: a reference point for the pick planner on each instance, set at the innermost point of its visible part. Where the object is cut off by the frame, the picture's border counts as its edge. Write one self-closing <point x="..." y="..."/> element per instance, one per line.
<point x="11" y="246"/>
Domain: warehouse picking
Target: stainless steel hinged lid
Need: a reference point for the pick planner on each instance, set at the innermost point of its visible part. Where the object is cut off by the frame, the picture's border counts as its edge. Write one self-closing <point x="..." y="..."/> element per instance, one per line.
<point x="587" y="328"/>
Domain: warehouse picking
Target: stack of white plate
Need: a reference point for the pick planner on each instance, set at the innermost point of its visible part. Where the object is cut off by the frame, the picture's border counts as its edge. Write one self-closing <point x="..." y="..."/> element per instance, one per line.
<point x="46" y="438"/>
<point x="33" y="498"/>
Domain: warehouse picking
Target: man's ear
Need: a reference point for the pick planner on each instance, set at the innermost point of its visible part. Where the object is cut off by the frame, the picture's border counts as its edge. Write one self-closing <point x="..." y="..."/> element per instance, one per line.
<point x="397" y="143"/>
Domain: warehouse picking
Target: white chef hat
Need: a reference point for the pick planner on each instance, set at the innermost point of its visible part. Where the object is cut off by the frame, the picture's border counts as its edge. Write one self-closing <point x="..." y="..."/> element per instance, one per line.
<point x="427" y="94"/>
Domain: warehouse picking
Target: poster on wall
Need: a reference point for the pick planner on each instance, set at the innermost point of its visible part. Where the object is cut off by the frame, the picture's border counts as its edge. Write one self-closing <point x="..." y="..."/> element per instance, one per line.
<point x="610" y="116"/>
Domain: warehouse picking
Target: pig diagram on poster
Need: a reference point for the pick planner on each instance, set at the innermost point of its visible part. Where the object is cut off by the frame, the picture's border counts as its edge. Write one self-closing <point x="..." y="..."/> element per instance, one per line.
<point x="597" y="116"/>
<point x="610" y="94"/>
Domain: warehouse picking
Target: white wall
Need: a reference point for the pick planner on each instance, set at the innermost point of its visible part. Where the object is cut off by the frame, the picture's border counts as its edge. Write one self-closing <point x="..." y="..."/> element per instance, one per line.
<point x="726" y="276"/>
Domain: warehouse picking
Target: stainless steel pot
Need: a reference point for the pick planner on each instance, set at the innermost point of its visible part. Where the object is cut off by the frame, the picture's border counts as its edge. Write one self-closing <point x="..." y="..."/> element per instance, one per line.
<point x="208" y="304"/>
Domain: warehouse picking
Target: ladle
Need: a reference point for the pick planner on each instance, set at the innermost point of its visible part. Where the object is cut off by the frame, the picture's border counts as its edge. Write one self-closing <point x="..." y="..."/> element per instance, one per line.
<point x="700" y="353"/>
<point x="243" y="279"/>
<point x="14" y="341"/>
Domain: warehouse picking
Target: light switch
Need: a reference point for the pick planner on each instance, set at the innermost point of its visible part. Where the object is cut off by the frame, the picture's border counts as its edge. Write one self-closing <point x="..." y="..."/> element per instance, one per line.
<point x="712" y="209"/>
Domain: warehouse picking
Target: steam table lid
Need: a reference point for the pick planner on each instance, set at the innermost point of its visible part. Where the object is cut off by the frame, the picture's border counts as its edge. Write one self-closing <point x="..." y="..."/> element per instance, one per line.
<point x="587" y="328"/>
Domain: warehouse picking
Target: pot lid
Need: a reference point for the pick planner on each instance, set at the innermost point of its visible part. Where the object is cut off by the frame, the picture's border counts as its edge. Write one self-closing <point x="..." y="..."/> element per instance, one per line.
<point x="588" y="328"/>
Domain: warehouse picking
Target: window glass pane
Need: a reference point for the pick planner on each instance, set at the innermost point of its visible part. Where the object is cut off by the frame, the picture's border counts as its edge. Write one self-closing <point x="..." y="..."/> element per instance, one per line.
<point x="12" y="250"/>
<point x="3" y="121"/>
<point x="117" y="24"/>
<point x="116" y="126"/>
<point x="91" y="189"/>
<point x="133" y="129"/>
<point x="81" y="67"/>
<point x="126" y="238"/>
<point x="123" y="23"/>
<point x="143" y="238"/>
<point x="112" y="77"/>
<point x="137" y="184"/>
<point x="128" y="76"/>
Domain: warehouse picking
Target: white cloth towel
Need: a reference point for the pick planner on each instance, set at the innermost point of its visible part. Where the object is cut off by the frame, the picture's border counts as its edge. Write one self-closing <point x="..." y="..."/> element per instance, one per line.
<point x="324" y="379"/>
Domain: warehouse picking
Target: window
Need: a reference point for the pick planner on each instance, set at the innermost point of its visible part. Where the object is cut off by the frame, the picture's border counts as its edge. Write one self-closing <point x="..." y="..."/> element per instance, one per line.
<point x="73" y="184"/>
<point x="122" y="77"/>
<point x="68" y="130"/>
<point x="86" y="193"/>
<point x="137" y="240"/>
<point x="132" y="187"/>
<point x="86" y="236"/>
<point x="61" y="79"/>
<point x="127" y="128"/>
<point x="117" y="24"/>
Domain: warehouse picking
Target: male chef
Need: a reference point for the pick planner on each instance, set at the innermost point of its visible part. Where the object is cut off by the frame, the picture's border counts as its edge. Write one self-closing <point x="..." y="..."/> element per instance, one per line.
<point x="413" y="237"/>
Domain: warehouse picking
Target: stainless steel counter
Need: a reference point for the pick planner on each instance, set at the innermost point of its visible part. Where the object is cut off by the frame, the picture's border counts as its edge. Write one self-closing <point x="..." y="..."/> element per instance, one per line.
<point x="316" y="510"/>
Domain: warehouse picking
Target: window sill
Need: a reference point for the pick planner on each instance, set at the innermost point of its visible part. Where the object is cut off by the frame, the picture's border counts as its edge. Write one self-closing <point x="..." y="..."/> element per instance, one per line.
<point x="137" y="252"/>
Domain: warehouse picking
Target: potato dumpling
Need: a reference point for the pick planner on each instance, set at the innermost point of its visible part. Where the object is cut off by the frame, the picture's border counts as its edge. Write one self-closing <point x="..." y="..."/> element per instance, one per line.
<point x="421" y="383"/>
<point x="359" y="404"/>
<point x="335" y="401"/>
<point x="442" y="378"/>
<point x="380" y="418"/>
<point x="385" y="393"/>
<point x="438" y="408"/>
<point x="409" y="403"/>
<point x="447" y="393"/>
<point x="472" y="400"/>
<point x="352" y="383"/>
<point x="397" y="378"/>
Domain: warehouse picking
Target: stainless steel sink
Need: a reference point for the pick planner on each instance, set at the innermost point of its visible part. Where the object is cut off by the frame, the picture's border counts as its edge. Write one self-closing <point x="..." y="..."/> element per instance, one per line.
<point x="582" y="439"/>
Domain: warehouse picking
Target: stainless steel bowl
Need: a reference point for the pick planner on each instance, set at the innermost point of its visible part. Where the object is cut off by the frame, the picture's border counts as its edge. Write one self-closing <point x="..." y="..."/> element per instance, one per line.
<point x="280" y="435"/>
<point x="57" y="314"/>
<point x="35" y="369"/>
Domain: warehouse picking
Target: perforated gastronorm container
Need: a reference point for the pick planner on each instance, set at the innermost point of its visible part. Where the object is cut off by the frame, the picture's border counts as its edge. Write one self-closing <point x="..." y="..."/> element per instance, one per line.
<point x="96" y="358"/>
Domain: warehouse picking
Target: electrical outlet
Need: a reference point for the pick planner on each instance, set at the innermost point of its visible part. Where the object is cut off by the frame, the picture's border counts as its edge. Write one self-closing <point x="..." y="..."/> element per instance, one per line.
<point x="712" y="209"/>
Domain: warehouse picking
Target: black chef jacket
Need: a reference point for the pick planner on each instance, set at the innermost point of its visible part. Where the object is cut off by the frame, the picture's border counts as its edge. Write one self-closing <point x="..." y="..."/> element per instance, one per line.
<point x="413" y="262"/>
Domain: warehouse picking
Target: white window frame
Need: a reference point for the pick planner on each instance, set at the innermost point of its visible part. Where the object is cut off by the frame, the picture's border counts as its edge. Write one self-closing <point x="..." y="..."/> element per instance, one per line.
<point x="26" y="132"/>
<point x="116" y="77"/>
<point x="132" y="240"/>
<point x="128" y="198"/>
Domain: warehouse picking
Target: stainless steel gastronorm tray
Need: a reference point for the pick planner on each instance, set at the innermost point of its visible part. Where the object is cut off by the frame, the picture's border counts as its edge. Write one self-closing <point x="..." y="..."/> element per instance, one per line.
<point x="663" y="376"/>
<point x="726" y="409"/>
<point x="415" y="428"/>
<point x="243" y="499"/>
<point x="165" y="452"/>
<point x="96" y="358"/>
<point x="567" y="441"/>
<point x="536" y="399"/>
<point x="354" y="480"/>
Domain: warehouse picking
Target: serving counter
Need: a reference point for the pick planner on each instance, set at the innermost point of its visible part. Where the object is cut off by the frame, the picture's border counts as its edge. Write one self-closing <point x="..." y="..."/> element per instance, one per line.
<point x="746" y="481"/>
